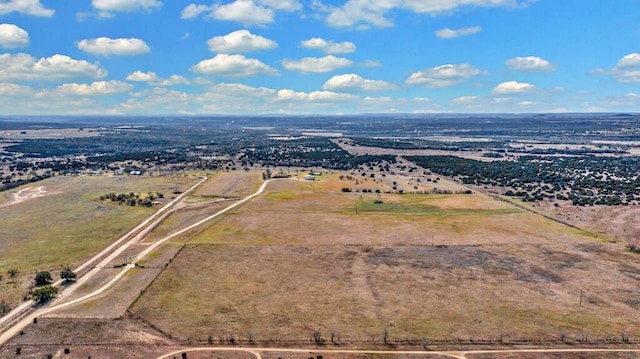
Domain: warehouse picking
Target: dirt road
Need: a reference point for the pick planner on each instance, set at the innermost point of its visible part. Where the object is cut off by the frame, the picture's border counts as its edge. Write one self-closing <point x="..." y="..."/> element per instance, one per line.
<point x="20" y="325"/>
<point x="452" y="354"/>
<point x="111" y="252"/>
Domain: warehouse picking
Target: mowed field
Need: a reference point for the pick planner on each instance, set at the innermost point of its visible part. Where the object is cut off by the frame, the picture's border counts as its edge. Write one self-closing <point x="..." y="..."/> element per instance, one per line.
<point x="68" y="223"/>
<point x="306" y="257"/>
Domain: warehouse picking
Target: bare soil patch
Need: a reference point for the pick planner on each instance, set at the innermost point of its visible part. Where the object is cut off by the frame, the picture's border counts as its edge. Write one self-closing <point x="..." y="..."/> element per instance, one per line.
<point x="229" y="184"/>
<point x="25" y="194"/>
<point x="124" y="338"/>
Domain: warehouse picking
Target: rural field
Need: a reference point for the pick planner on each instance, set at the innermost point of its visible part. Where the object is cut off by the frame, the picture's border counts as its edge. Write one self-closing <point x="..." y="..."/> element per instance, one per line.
<point x="307" y="262"/>
<point x="67" y="223"/>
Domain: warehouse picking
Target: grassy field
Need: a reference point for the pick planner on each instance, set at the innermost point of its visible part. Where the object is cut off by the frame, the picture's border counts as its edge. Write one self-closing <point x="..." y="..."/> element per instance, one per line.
<point x="68" y="224"/>
<point x="307" y="257"/>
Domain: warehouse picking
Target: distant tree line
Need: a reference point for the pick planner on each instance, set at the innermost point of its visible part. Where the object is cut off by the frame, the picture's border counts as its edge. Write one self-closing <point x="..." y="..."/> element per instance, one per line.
<point x="583" y="180"/>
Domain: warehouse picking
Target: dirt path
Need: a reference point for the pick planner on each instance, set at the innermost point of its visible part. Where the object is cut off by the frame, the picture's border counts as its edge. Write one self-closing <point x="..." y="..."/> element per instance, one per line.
<point x="17" y="327"/>
<point x="452" y="354"/>
<point x="110" y="252"/>
<point x="26" y="194"/>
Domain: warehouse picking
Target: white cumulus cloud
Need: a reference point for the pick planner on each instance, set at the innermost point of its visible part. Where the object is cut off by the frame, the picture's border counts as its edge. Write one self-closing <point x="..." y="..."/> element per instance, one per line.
<point x="104" y="46"/>
<point x="28" y="7"/>
<point x="354" y="82"/>
<point x="245" y="12"/>
<point x="139" y="76"/>
<point x="631" y="60"/>
<point x="24" y="67"/>
<point x="316" y="64"/>
<point x="530" y="64"/>
<point x="13" y="90"/>
<point x="364" y="13"/>
<point x="329" y="47"/>
<point x="233" y="66"/>
<point x="512" y="87"/>
<point x="152" y="79"/>
<point x="283" y="5"/>
<point x="448" y="33"/>
<point x="444" y="75"/>
<point x="194" y="10"/>
<point x="95" y="88"/>
<point x="241" y="41"/>
<point x="109" y="6"/>
<point x="12" y="36"/>
<point x="626" y="70"/>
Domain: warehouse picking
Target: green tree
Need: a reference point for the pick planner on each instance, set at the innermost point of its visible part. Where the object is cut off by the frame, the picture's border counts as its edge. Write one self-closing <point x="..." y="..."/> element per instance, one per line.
<point x="44" y="294"/>
<point x="68" y="275"/>
<point x="43" y="278"/>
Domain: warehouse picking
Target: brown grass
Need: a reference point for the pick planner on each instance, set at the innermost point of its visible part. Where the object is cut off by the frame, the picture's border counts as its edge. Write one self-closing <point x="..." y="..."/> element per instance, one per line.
<point x="300" y="258"/>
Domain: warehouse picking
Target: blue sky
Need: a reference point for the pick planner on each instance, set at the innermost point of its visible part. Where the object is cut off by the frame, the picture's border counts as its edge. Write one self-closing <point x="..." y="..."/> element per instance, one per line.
<point x="150" y="57"/>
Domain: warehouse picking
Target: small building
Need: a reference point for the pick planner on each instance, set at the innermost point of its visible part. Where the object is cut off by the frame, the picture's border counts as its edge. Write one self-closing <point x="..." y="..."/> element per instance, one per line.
<point x="309" y="178"/>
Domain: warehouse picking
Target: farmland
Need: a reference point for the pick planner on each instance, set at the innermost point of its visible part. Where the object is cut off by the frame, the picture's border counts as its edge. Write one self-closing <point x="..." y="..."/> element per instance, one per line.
<point x="441" y="267"/>
<point x="359" y="240"/>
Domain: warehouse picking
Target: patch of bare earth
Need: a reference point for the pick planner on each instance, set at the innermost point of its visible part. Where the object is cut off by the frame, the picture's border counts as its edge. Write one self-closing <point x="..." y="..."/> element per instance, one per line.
<point x="124" y="338"/>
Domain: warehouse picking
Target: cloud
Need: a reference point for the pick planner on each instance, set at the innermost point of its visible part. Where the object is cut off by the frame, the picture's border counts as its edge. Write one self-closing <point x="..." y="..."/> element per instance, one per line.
<point x="284" y="5"/>
<point x="354" y="82"/>
<point x="95" y="88"/>
<point x="530" y="64"/>
<point x="366" y="12"/>
<point x="466" y="100"/>
<point x="104" y="46"/>
<point x="444" y="75"/>
<point x="631" y="60"/>
<point x="245" y="12"/>
<point x="139" y="76"/>
<point x="108" y="6"/>
<point x="512" y="87"/>
<point x="233" y="66"/>
<point x="241" y="41"/>
<point x="152" y="79"/>
<point x="156" y="100"/>
<point x="316" y="64"/>
<point x="13" y="90"/>
<point x="290" y="95"/>
<point x="448" y="33"/>
<point x="24" y="67"/>
<point x="28" y="7"/>
<point x="329" y="47"/>
<point x="12" y="36"/>
<point x="194" y="10"/>
<point x="315" y="96"/>
<point x="363" y="13"/>
<point x="626" y="70"/>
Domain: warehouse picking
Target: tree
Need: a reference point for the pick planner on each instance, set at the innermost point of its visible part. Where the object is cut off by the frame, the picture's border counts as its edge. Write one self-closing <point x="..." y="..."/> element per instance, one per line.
<point x="12" y="272"/>
<point x="68" y="275"/>
<point x="44" y="294"/>
<point x="43" y="278"/>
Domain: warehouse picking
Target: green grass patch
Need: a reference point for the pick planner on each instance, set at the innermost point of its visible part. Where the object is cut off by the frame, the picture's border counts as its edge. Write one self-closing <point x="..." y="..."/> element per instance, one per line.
<point x="281" y="195"/>
<point x="413" y="208"/>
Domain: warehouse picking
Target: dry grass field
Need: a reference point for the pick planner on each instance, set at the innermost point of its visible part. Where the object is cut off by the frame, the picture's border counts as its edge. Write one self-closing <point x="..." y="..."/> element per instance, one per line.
<point x="306" y="257"/>
<point x="67" y="224"/>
